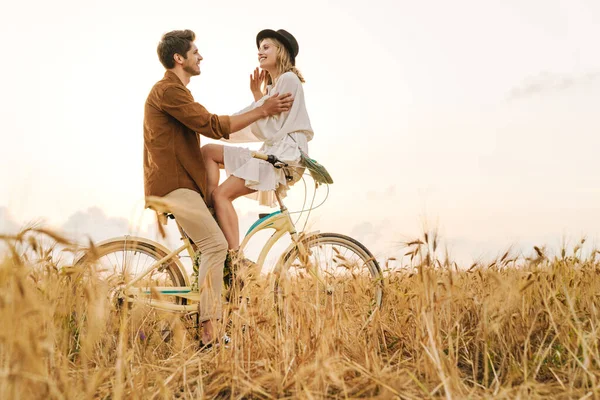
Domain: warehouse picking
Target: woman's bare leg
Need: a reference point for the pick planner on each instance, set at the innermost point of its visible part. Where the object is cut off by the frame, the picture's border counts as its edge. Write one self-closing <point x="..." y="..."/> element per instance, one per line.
<point x="223" y="197"/>
<point x="213" y="161"/>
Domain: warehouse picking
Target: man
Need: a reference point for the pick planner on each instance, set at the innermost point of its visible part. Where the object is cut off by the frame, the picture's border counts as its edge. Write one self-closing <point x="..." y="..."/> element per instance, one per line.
<point x="173" y="164"/>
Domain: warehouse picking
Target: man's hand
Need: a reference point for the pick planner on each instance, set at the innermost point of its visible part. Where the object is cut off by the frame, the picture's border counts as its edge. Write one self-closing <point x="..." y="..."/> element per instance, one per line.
<point x="277" y="104"/>
<point x="256" y="81"/>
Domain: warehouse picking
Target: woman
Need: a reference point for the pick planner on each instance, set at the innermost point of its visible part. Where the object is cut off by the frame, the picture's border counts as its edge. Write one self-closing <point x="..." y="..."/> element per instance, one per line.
<point x="283" y="136"/>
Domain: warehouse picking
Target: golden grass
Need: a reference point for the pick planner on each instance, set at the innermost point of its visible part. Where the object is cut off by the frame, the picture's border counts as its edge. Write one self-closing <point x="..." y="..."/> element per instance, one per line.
<point x="525" y="328"/>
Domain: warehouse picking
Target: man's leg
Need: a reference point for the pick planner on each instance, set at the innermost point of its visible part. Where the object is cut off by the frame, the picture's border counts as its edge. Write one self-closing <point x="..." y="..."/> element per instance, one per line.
<point x="192" y="214"/>
<point x="213" y="161"/>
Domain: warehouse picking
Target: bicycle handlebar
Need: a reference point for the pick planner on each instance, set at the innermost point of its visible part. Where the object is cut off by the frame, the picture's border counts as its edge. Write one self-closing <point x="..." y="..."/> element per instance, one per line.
<point x="270" y="158"/>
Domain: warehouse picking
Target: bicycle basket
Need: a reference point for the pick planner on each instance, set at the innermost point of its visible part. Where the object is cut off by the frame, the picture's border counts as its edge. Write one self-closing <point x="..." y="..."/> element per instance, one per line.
<point x="317" y="171"/>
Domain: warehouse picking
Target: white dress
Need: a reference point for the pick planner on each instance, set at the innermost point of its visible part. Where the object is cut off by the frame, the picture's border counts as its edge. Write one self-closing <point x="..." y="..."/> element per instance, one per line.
<point x="275" y="132"/>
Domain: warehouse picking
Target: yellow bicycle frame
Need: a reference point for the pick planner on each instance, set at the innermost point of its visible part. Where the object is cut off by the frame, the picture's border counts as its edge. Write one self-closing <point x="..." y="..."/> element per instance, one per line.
<point x="280" y="221"/>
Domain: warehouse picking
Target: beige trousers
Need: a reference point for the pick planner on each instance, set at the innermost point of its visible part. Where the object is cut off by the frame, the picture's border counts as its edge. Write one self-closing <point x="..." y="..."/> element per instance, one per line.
<point x="195" y="219"/>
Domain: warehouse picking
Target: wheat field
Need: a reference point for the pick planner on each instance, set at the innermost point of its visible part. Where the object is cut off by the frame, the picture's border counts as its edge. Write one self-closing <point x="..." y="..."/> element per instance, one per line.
<point x="515" y="328"/>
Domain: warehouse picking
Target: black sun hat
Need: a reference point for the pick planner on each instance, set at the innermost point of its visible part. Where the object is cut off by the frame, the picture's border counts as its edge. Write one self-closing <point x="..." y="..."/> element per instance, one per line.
<point x="287" y="39"/>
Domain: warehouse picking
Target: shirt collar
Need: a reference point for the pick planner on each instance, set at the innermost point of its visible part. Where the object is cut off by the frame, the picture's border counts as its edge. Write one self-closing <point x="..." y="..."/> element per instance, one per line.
<point x="172" y="76"/>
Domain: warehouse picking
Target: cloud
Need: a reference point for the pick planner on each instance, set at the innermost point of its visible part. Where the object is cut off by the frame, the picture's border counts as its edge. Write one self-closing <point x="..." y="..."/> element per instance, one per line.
<point x="7" y="223"/>
<point x="96" y="224"/>
<point x="365" y="232"/>
<point x="547" y="82"/>
<point x="388" y="193"/>
<point x="381" y="237"/>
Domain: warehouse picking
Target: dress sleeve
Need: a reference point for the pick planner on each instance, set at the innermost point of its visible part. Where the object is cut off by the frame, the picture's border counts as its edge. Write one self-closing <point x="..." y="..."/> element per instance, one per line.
<point x="252" y="106"/>
<point x="245" y="135"/>
<point x="277" y="126"/>
<point x="287" y="83"/>
<point x="179" y="103"/>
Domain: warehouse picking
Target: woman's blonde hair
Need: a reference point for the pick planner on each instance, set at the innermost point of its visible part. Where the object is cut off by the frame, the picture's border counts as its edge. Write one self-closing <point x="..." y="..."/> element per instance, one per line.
<point x="283" y="62"/>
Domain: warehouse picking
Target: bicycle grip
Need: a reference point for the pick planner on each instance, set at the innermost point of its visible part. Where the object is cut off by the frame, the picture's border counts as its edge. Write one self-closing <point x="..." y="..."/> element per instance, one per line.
<point x="260" y="156"/>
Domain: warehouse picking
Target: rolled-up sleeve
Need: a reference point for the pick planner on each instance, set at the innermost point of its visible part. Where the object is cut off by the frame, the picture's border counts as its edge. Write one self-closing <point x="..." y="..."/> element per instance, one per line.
<point x="179" y="103"/>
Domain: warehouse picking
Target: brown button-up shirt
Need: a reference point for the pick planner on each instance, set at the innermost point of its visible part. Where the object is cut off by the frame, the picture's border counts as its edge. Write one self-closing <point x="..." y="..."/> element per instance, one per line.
<point x="173" y="122"/>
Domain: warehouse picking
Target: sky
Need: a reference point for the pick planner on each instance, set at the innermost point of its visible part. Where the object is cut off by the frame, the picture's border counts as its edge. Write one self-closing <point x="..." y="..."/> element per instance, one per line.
<point x="475" y="118"/>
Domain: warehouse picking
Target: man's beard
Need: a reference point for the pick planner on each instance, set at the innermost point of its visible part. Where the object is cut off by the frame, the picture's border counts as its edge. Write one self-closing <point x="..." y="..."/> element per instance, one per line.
<point x="191" y="70"/>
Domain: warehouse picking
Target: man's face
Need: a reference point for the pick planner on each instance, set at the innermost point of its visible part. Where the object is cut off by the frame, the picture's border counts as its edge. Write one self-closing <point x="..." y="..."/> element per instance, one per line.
<point x="191" y="64"/>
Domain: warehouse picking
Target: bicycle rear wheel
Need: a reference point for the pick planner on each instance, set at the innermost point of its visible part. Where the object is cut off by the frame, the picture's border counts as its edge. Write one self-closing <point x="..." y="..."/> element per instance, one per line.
<point x="122" y="260"/>
<point x="337" y="273"/>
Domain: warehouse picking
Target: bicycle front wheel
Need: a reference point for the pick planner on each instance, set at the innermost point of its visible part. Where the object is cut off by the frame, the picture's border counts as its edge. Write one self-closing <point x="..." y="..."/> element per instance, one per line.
<point x="333" y="273"/>
<point x="122" y="260"/>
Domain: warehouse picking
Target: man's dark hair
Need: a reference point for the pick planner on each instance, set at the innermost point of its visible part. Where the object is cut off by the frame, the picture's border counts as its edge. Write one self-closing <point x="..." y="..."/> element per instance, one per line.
<point x="174" y="42"/>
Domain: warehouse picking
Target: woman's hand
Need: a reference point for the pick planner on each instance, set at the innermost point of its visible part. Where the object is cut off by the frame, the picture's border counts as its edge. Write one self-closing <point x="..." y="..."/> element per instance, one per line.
<point x="256" y="81"/>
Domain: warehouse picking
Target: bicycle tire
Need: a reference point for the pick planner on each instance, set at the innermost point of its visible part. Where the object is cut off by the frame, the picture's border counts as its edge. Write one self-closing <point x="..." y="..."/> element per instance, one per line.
<point x="169" y="275"/>
<point x="342" y="276"/>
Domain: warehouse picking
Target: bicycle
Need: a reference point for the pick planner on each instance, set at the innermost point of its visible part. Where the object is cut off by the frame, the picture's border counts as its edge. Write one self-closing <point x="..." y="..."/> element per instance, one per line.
<point x="317" y="265"/>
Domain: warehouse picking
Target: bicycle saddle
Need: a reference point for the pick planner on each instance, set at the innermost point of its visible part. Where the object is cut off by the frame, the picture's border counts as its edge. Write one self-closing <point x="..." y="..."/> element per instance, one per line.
<point x="157" y="204"/>
<point x="162" y="209"/>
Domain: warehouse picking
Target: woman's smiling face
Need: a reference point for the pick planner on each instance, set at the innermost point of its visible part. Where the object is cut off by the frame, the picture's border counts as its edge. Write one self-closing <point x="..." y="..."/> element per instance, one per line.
<point x="267" y="55"/>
